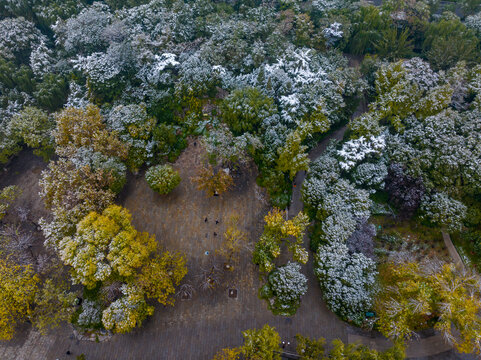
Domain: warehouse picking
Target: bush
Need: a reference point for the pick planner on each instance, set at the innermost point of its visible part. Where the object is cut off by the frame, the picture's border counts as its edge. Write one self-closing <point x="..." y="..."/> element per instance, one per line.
<point x="162" y="178"/>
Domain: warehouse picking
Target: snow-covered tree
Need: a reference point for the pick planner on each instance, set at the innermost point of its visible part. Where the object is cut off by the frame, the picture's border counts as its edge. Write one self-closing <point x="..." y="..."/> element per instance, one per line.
<point x="444" y="211"/>
<point x="284" y="289"/>
<point x="347" y="281"/>
<point x="84" y="33"/>
<point x="135" y="128"/>
<point x="128" y="312"/>
<point x="18" y="38"/>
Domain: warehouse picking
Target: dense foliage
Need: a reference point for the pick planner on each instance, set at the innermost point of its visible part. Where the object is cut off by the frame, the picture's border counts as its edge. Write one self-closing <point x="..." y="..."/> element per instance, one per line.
<point x="102" y="88"/>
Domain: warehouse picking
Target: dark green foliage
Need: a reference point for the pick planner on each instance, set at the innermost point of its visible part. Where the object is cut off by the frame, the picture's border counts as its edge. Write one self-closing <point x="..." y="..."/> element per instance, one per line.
<point x="449" y="41"/>
<point x="244" y="109"/>
<point x="394" y="44"/>
<point x="367" y="27"/>
<point x="51" y="92"/>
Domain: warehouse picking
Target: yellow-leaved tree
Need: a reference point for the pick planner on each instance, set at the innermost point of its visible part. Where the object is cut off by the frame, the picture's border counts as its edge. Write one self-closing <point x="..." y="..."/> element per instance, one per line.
<point x="18" y="285"/>
<point x="414" y="294"/>
<point x="104" y="246"/>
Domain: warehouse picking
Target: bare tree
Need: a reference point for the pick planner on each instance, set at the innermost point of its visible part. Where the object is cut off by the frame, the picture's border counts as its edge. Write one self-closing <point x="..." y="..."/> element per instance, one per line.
<point x="17" y="243"/>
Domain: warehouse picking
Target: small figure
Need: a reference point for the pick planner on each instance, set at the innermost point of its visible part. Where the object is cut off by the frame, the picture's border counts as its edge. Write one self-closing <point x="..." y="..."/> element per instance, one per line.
<point x="68" y="352"/>
<point x="288" y="343"/>
<point x="205" y="220"/>
<point x="215" y="234"/>
<point x="283" y="344"/>
<point x="195" y="144"/>
<point x="216" y="222"/>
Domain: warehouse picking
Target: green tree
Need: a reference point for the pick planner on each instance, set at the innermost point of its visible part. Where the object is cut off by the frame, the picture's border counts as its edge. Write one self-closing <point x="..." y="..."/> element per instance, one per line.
<point x="162" y="178"/>
<point x="262" y="344"/>
<point x="34" y="127"/>
<point x="244" y="109"/>
<point x="449" y="41"/>
<point x="293" y="156"/>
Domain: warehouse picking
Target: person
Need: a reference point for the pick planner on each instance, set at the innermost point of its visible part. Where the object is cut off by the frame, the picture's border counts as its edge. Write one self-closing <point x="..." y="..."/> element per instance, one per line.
<point x="283" y="344"/>
<point x="205" y="220"/>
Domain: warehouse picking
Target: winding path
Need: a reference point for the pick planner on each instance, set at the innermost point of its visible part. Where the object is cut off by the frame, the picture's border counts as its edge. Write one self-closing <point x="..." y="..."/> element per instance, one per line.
<point x="422" y="348"/>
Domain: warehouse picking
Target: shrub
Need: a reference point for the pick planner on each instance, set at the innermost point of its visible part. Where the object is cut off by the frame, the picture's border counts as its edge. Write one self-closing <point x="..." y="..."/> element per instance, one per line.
<point x="162" y="178"/>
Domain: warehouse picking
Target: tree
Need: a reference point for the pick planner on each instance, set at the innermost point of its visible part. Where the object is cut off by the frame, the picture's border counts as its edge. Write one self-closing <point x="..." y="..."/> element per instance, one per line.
<point x="284" y="289"/>
<point x="347" y="281"/>
<point x="368" y="23"/>
<point x="362" y="239"/>
<point x="159" y="277"/>
<point x="124" y="314"/>
<point x="310" y="349"/>
<point x="414" y="294"/>
<point x="341" y="351"/>
<point x="213" y="182"/>
<point x="18" y="285"/>
<point x="262" y="344"/>
<point x="233" y="241"/>
<point x="34" y="127"/>
<point x="105" y="246"/>
<point x="277" y="230"/>
<point x="7" y="197"/>
<point x="444" y="211"/>
<point x="85" y="128"/>
<point x="244" y="109"/>
<point x="292" y="157"/>
<point x="135" y="128"/>
<point x="71" y="193"/>
<point x="405" y="192"/>
<point x="54" y="303"/>
<point x="227" y="354"/>
<point x="394" y="44"/>
<point x="448" y="42"/>
<point x="162" y="178"/>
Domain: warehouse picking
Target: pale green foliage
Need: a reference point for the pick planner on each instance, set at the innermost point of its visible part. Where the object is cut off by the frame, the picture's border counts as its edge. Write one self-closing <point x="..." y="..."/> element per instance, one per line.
<point x="244" y="109"/>
<point x="34" y="127"/>
<point x="293" y="156"/>
<point x="162" y="178"/>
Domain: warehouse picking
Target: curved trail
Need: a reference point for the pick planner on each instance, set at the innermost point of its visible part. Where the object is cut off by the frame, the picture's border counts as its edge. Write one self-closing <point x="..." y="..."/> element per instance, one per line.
<point x="422" y="348"/>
